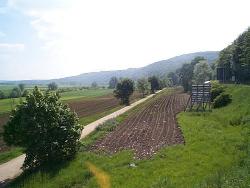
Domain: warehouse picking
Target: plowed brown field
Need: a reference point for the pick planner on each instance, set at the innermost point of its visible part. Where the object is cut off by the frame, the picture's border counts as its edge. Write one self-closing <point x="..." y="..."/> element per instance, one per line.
<point x="148" y="130"/>
<point x="83" y="108"/>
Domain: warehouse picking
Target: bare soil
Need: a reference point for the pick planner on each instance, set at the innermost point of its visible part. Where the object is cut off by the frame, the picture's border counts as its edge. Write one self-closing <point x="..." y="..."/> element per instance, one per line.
<point x="148" y="130"/>
<point x="98" y="105"/>
<point x="82" y="107"/>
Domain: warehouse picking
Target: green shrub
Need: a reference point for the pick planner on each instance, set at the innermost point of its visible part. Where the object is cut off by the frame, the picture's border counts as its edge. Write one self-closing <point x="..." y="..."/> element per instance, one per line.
<point x="15" y="93"/>
<point x="25" y="93"/>
<point x="216" y="90"/>
<point x="2" y="95"/>
<point x="45" y="127"/>
<point x="222" y="100"/>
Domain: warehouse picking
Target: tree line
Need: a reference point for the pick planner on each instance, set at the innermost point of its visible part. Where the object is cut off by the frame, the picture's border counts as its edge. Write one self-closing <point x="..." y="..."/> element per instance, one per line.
<point x="20" y="91"/>
<point x="124" y="87"/>
<point x="235" y="59"/>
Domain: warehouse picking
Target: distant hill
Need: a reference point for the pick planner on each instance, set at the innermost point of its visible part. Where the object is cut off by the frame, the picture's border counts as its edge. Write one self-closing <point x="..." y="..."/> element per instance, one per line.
<point x="157" y="68"/>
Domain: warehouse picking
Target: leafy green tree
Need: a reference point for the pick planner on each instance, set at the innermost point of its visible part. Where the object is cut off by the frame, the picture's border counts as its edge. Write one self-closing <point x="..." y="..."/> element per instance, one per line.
<point x="164" y="82"/>
<point x="235" y="59"/>
<point x="94" y="85"/>
<point x="45" y="127"/>
<point x="143" y="86"/>
<point x="21" y="87"/>
<point x="52" y="86"/>
<point x="214" y="66"/>
<point x="25" y="93"/>
<point x="173" y="77"/>
<point x="124" y="90"/>
<point x="154" y="82"/>
<point x="2" y="95"/>
<point x="113" y="82"/>
<point x="15" y="93"/>
<point x="202" y="72"/>
<point x="186" y="73"/>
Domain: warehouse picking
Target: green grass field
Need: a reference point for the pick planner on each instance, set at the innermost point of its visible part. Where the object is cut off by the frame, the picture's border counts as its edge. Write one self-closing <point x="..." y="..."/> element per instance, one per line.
<point x="11" y="154"/>
<point x="7" y="88"/>
<point x="85" y="93"/>
<point x="216" y="154"/>
<point x="7" y="104"/>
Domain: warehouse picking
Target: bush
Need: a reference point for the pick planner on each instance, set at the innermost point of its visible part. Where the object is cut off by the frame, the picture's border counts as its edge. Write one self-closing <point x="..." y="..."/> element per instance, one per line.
<point x="45" y="127"/>
<point x="216" y="90"/>
<point x="15" y="93"/>
<point x="25" y="93"/>
<point x="2" y="95"/>
<point x="222" y="100"/>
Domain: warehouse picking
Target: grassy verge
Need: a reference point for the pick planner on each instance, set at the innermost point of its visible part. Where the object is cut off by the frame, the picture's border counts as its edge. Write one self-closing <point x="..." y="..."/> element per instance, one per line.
<point x="216" y="154"/>
<point x="85" y="93"/>
<point x="89" y="119"/>
<point x="11" y="154"/>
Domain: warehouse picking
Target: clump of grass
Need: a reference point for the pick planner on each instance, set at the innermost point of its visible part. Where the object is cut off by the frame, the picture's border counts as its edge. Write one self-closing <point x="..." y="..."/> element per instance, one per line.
<point x="10" y="154"/>
<point x="163" y="183"/>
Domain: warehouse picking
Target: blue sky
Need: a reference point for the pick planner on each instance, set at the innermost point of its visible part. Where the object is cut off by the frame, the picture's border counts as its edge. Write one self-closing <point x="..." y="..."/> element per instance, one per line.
<point x="42" y="39"/>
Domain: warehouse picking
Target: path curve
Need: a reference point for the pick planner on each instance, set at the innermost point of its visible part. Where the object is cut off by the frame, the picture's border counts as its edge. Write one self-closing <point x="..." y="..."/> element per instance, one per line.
<point x="11" y="169"/>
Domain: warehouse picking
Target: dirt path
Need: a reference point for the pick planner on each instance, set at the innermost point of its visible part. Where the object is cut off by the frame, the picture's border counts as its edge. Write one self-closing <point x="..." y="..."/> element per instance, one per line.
<point x="11" y="169"/>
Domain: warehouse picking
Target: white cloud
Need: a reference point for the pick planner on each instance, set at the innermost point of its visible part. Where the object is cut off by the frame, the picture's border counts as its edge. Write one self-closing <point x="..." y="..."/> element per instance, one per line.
<point x="82" y="36"/>
<point x="10" y="48"/>
<point x="29" y="5"/>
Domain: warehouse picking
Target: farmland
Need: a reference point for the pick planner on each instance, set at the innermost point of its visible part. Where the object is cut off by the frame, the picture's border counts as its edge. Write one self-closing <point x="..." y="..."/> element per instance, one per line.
<point x="7" y="104"/>
<point x="148" y="130"/>
<point x="215" y="154"/>
<point x="89" y="104"/>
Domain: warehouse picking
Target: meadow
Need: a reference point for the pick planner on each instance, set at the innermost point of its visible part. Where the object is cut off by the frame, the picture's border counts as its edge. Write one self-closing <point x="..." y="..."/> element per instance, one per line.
<point x="215" y="154"/>
<point x="85" y="93"/>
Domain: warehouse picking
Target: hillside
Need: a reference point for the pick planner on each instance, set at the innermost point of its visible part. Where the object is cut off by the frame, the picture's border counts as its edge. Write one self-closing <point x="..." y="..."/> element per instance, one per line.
<point x="157" y="68"/>
<point x="103" y="77"/>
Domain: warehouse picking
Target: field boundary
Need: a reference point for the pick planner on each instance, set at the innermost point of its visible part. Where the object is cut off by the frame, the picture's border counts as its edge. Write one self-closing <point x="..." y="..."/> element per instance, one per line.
<point x="11" y="169"/>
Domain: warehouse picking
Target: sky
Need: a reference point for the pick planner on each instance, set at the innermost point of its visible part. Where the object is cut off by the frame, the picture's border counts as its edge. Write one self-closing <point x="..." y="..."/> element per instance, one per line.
<point x="44" y="39"/>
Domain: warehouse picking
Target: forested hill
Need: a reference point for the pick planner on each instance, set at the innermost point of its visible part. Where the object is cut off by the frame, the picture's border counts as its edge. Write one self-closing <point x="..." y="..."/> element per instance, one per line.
<point x="158" y="68"/>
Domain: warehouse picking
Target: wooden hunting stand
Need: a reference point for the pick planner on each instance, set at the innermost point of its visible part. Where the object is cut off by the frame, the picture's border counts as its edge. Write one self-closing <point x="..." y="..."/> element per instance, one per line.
<point x="200" y="97"/>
